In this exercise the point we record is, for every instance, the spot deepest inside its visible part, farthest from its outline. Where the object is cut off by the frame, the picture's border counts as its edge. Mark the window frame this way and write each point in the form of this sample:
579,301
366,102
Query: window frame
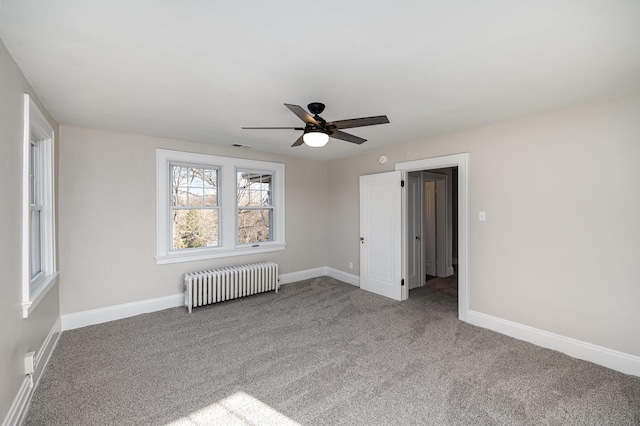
227,196
173,208
270,207
35,204
38,131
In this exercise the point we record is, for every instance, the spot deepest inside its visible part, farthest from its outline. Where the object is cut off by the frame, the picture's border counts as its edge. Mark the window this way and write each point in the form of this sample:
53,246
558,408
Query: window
39,272
194,207
210,207
35,207
255,206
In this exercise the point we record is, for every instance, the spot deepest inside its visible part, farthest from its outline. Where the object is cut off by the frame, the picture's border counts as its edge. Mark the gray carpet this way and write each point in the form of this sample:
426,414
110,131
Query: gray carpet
321,352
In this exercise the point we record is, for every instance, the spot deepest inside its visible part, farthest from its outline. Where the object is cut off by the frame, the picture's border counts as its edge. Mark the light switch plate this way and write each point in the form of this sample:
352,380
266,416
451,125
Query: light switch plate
482,216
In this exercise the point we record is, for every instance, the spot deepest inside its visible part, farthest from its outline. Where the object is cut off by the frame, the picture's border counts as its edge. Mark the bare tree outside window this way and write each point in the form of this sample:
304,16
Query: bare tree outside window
255,206
194,207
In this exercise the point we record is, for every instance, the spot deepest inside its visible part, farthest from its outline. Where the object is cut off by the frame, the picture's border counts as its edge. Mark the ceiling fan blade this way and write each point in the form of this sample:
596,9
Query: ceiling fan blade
358,122
262,128
337,134
298,141
302,114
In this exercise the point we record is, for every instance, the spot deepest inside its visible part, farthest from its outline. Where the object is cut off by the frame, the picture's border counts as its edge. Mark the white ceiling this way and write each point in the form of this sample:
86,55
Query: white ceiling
199,70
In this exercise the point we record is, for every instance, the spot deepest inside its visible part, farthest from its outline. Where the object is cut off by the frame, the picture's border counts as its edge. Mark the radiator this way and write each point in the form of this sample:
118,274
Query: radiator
218,285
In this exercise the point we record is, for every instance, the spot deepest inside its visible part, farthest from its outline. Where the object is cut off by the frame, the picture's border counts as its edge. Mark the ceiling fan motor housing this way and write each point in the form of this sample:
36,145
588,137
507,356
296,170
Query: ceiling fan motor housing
316,108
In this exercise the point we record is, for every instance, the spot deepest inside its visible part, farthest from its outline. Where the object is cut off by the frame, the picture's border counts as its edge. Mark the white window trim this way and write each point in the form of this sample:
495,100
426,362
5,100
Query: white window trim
228,207
34,292
238,208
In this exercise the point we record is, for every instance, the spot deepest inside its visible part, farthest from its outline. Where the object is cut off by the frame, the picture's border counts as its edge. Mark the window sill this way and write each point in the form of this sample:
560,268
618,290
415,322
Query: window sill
217,253
38,294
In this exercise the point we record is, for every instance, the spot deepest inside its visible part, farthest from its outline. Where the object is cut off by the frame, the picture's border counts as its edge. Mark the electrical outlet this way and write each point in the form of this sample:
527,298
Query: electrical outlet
30,363
350,265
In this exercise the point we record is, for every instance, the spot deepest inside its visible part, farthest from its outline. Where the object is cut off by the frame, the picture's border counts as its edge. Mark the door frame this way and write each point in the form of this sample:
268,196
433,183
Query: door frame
461,161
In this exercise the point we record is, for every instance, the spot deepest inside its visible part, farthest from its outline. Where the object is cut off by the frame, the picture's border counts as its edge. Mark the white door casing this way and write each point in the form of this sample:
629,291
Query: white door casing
380,234
462,162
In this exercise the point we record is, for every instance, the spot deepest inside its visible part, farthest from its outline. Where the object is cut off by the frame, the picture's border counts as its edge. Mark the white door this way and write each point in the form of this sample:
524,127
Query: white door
415,277
380,239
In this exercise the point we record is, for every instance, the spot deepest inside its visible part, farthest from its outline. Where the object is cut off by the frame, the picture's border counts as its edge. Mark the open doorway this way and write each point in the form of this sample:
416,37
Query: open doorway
437,216
431,224
432,232
434,251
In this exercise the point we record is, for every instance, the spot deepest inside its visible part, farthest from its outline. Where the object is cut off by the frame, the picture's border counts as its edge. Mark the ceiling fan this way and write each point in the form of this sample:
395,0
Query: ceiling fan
317,130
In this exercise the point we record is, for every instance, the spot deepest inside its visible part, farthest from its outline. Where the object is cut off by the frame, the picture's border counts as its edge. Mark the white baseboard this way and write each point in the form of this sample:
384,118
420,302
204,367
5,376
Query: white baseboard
343,276
619,361
46,350
112,313
18,409
20,405
293,277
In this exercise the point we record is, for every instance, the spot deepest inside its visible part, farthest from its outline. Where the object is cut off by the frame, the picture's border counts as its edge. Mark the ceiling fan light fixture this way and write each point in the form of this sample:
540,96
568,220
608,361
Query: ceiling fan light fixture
315,139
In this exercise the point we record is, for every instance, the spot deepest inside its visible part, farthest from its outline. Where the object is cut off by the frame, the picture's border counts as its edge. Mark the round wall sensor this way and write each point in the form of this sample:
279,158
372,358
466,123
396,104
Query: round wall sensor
383,159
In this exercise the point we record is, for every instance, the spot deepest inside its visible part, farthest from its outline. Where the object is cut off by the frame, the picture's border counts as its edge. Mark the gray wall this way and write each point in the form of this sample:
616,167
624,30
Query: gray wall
17,335
108,218
560,247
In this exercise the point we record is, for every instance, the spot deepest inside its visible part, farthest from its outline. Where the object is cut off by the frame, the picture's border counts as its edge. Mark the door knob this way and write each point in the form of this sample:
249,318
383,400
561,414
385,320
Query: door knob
417,237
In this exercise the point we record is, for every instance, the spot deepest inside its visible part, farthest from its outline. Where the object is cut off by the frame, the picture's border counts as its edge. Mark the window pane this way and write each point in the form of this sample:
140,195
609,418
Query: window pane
194,228
34,177
210,177
179,197
254,189
255,225
196,197
195,178
36,243
178,176
211,196
194,186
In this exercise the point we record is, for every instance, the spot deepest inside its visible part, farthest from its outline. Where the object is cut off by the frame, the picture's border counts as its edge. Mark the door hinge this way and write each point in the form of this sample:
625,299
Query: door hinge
402,183
402,282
